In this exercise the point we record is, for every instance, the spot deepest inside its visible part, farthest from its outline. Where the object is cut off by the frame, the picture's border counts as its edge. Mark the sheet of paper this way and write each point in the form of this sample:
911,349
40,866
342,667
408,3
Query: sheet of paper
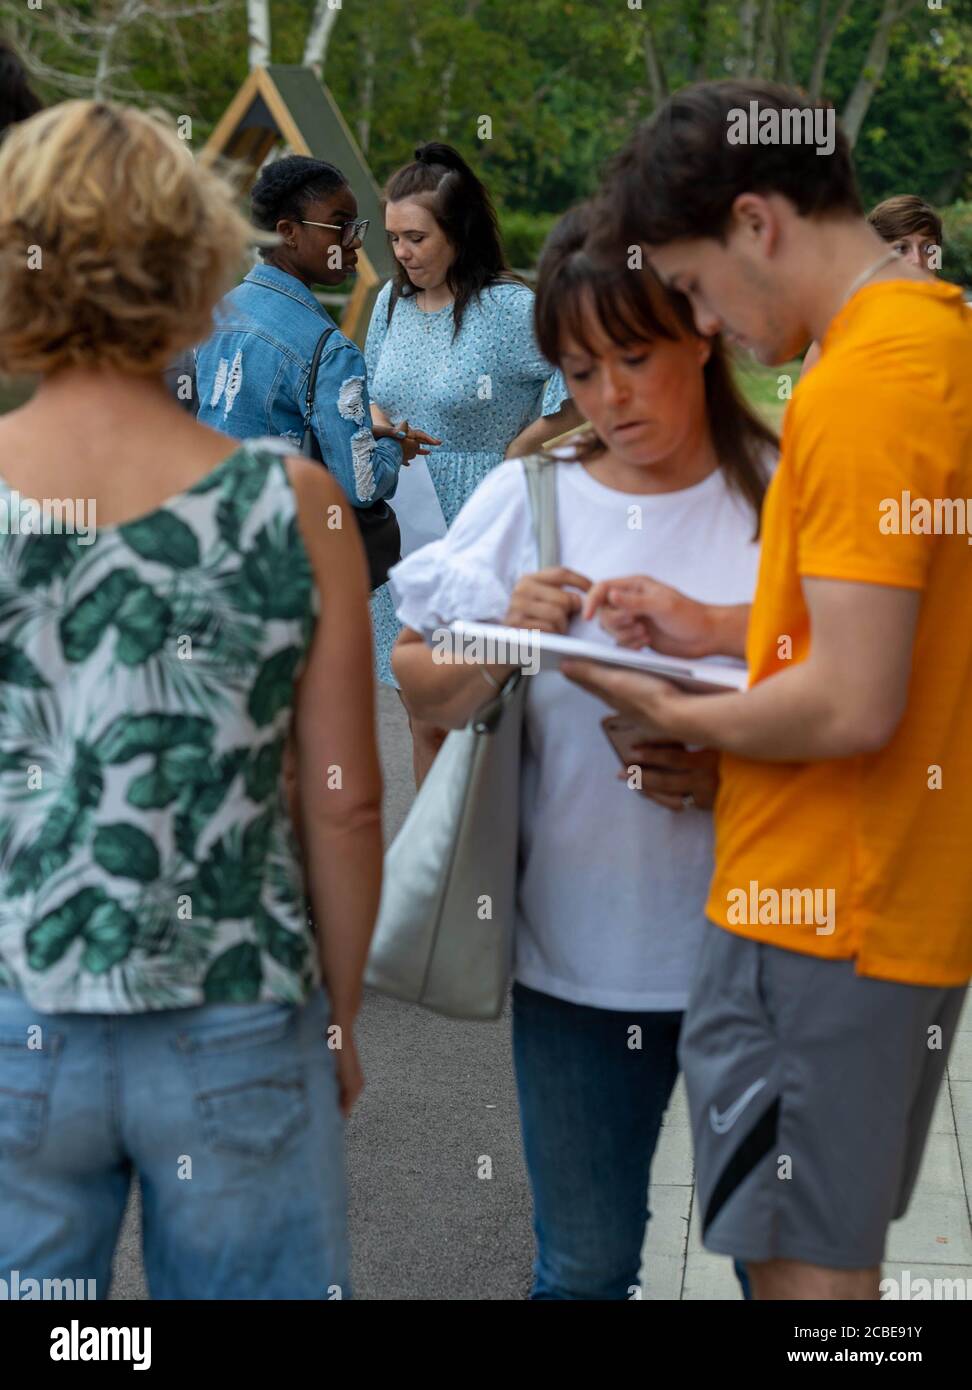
417,507
544,651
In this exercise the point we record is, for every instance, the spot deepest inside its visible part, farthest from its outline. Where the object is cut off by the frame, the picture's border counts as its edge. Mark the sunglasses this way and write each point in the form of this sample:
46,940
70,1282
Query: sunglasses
350,231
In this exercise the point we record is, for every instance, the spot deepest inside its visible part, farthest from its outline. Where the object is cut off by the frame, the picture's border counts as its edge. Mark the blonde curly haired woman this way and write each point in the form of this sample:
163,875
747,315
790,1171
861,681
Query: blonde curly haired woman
161,636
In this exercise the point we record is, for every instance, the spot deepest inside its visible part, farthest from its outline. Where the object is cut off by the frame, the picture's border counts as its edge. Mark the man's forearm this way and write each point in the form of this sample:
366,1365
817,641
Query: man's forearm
847,698
795,716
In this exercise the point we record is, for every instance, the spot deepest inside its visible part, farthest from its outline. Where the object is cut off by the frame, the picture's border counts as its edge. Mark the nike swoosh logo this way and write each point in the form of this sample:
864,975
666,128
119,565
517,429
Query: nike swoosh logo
724,1122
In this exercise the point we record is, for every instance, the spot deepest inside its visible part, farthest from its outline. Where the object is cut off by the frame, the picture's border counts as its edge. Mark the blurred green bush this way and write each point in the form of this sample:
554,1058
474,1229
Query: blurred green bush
523,236
957,251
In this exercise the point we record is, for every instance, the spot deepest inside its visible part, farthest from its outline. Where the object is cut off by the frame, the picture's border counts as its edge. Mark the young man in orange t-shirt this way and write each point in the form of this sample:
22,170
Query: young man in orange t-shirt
833,974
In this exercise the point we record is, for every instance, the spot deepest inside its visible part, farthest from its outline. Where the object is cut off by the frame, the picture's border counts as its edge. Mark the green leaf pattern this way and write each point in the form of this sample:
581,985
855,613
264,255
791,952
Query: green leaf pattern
151,863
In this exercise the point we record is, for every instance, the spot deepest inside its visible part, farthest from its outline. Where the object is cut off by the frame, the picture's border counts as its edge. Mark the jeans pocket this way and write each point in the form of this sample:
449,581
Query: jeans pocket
27,1060
248,1077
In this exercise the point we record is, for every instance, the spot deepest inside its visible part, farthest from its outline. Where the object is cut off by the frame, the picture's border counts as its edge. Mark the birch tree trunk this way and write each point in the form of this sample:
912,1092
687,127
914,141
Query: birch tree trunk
657,80
449,76
319,35
748,13
111,32
414,41
826,29
258,32
872,71
367,94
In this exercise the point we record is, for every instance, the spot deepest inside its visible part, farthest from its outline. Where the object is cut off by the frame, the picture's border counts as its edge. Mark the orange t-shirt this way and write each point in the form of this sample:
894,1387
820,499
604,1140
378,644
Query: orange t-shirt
868,857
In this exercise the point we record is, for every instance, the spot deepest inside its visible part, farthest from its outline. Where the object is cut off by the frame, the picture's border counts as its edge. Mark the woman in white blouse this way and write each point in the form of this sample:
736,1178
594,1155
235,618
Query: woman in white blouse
612,881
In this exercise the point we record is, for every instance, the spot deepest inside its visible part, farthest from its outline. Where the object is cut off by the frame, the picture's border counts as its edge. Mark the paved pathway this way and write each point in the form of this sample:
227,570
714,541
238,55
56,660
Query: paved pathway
440,1095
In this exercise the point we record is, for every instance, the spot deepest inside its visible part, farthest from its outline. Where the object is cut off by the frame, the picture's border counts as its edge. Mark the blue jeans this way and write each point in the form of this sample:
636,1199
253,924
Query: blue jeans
228,1113
591,1107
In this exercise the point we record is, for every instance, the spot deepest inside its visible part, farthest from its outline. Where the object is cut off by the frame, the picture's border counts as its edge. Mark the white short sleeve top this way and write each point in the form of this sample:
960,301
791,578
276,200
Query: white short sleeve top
612,886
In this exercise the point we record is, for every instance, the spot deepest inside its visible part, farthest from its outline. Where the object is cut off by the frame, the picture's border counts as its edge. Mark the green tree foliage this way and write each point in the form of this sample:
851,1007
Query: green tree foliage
957,261
561,82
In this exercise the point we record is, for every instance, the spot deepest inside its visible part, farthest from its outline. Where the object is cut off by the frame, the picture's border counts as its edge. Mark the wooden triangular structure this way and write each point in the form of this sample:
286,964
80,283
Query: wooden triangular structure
288,103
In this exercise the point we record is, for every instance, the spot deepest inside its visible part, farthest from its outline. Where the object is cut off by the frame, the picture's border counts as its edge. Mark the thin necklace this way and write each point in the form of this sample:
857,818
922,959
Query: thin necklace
428,314
865,275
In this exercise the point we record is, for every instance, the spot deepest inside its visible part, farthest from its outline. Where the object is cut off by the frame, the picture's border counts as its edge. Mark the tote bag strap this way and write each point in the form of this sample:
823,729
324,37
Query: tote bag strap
542,491
542,488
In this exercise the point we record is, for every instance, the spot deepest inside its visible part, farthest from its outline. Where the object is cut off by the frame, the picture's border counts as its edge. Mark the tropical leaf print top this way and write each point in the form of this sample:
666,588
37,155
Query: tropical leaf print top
146,688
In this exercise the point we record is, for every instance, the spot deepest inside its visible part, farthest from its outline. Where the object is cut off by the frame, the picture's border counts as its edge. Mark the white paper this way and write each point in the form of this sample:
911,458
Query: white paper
417,507
546,650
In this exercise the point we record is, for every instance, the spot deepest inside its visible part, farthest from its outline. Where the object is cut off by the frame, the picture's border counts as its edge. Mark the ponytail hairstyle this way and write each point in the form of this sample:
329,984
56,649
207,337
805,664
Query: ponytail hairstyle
578,269
287,187
441,180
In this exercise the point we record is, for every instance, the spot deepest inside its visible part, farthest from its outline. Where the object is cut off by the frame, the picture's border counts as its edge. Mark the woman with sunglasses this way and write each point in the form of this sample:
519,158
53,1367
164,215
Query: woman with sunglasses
252,373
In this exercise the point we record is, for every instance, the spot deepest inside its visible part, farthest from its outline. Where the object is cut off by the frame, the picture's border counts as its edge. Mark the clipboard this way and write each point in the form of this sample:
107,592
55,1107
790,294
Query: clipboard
544,651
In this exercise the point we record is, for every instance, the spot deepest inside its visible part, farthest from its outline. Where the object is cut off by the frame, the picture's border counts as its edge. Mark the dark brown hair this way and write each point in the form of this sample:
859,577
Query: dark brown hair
577,268
17,100
442,181
900,216
679,175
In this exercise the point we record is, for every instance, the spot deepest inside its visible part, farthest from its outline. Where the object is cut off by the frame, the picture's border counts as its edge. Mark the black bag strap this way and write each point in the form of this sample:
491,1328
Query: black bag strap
312,378
315,360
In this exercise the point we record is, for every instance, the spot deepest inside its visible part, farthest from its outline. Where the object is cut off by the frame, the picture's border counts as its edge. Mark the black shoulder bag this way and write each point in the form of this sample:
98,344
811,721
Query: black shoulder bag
378,523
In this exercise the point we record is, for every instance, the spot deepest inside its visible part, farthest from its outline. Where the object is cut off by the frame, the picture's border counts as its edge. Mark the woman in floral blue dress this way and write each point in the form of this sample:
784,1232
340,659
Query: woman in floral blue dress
451,349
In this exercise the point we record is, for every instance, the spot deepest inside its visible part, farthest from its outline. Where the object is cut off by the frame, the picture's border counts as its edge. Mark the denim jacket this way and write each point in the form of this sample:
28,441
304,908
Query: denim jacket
252,379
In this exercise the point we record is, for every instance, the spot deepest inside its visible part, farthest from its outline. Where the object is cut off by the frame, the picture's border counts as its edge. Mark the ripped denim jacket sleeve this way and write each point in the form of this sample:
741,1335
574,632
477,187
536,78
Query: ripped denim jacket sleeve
366,468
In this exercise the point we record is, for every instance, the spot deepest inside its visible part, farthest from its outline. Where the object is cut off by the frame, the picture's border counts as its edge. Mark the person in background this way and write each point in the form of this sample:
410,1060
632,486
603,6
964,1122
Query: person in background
17,100
612,880
451,346
163,998
913,229
251,374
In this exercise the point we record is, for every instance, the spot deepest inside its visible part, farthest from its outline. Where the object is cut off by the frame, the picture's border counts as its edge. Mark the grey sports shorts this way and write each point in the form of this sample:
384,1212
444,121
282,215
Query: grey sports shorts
811,1091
